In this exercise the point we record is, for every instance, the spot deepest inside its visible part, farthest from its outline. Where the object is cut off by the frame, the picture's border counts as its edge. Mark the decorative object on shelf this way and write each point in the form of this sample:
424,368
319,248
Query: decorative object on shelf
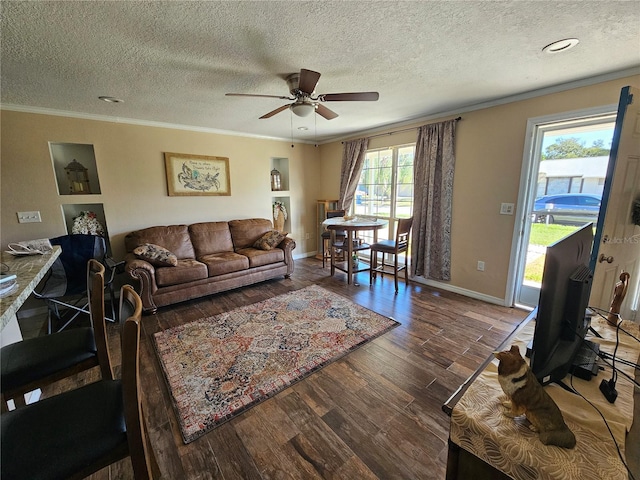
279,215
197,175
78,178
87,223
276,180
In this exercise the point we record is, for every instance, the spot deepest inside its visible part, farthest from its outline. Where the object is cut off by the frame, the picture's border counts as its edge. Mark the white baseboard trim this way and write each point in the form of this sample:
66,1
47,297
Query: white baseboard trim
461,291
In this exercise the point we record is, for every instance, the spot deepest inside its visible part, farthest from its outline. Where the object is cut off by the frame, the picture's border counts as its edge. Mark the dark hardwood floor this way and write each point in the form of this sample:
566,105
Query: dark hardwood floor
375,413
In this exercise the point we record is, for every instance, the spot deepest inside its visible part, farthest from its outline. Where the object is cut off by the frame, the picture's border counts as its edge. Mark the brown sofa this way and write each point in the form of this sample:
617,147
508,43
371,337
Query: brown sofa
211,257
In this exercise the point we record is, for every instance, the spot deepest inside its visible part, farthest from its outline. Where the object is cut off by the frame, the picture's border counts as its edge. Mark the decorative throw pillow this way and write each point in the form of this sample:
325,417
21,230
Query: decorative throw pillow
156,255
269,240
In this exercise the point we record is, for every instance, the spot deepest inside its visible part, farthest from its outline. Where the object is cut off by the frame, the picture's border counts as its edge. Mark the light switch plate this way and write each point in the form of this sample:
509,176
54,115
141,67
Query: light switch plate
29,217
506,208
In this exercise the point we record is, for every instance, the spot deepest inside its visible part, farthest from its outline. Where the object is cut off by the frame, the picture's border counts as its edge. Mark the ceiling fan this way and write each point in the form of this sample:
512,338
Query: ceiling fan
302,88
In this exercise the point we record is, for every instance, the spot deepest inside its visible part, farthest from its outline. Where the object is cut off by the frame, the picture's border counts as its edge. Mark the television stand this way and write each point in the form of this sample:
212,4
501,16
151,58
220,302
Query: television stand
484,444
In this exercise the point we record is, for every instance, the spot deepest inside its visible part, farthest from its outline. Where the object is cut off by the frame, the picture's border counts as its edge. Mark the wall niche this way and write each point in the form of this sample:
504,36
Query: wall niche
86,218
74,165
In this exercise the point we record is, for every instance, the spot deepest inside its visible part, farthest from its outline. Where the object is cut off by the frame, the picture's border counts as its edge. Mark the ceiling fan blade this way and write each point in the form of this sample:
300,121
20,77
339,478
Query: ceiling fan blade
349,97
308,81
257,95
325,112
273,112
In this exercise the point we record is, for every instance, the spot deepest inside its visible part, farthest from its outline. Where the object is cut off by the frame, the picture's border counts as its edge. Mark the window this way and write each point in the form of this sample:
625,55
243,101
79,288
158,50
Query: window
385,189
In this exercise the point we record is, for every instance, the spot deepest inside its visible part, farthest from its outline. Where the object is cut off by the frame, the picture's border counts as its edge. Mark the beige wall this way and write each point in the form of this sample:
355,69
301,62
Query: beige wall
489,153
130,164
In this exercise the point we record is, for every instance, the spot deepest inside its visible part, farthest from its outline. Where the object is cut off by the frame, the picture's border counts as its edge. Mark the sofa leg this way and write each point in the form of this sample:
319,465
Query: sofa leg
287,276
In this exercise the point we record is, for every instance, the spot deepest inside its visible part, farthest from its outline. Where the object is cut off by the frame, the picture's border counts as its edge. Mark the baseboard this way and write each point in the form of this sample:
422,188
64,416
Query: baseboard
461,291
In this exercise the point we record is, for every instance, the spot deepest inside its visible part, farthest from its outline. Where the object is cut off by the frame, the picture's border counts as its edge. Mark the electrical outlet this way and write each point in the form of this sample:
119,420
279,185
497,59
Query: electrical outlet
481,265
307,236
506,208
29,217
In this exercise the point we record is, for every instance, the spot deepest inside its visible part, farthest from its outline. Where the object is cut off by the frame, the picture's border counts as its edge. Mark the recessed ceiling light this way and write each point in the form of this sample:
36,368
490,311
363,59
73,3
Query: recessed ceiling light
561,45
110,99
303,128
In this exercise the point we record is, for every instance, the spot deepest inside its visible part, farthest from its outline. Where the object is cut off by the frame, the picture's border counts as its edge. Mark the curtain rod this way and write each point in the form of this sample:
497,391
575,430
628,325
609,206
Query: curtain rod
405,130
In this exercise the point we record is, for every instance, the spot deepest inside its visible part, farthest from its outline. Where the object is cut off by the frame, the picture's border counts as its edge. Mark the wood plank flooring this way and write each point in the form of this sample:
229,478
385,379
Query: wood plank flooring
376,413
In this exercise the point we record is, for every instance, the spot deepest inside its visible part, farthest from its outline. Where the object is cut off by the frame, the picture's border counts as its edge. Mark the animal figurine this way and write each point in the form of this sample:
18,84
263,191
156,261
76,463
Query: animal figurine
528,397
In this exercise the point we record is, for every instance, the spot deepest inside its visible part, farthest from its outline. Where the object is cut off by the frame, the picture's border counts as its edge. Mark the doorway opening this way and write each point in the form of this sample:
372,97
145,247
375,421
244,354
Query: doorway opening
561,188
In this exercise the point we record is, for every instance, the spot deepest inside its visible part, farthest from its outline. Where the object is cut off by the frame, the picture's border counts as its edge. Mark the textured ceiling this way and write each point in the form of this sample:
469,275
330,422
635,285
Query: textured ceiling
173,62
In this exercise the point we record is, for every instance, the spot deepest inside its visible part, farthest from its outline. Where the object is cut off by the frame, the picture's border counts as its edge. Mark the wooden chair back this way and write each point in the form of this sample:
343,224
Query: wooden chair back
402,234
143,459
95,292
335,213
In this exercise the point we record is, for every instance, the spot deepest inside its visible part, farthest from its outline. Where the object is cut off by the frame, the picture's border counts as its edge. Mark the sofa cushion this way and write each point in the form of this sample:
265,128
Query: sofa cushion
224,262
174,238
187,270
210,237
258,257
269,240
245,232
156,255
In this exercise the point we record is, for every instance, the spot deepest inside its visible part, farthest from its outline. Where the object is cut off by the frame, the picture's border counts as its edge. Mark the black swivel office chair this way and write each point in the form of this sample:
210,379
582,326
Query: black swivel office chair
65,286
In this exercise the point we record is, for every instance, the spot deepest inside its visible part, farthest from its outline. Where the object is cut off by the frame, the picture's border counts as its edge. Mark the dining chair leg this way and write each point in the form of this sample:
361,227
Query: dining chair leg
406,269
395,271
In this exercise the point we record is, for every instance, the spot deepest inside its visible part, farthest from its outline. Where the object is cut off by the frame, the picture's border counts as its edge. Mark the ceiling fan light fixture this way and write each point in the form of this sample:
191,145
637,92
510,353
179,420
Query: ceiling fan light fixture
303,109
561,45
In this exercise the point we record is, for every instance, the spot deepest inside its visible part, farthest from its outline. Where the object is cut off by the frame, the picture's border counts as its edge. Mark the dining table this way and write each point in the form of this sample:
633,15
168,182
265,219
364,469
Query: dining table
350,226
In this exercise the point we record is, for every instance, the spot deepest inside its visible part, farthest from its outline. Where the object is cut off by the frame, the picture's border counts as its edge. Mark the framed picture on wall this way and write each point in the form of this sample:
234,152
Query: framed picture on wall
197,174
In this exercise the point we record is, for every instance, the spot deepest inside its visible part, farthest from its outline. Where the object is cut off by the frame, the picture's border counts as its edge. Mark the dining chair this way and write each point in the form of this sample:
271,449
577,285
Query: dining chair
37,362
81,431
340,235
395,248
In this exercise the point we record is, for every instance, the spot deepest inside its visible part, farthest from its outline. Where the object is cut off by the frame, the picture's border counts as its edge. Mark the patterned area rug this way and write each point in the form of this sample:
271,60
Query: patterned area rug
220,366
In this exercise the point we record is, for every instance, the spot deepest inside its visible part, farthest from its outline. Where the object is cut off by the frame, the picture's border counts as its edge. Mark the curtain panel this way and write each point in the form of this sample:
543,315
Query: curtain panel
353,155
434,164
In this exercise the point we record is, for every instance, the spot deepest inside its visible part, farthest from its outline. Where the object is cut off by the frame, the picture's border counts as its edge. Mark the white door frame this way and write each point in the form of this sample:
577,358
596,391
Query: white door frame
526,194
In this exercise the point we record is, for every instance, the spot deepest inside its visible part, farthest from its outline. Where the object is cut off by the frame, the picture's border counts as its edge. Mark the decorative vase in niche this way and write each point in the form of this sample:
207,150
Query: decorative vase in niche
278,221
279,215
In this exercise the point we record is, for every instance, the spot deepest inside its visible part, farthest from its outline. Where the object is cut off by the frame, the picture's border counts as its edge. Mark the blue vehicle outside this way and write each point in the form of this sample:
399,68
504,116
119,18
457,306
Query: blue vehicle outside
567,208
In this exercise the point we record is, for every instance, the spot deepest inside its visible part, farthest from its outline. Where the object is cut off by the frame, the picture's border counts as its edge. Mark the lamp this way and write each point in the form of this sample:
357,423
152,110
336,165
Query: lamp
303,109
276,183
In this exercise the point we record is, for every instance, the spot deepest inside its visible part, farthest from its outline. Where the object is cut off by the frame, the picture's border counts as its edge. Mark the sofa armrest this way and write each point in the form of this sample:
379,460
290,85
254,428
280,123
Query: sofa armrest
145,273
288,244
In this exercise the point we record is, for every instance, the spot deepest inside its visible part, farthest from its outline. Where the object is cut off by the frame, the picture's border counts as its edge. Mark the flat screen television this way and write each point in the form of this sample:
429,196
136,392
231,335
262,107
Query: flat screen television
561,322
